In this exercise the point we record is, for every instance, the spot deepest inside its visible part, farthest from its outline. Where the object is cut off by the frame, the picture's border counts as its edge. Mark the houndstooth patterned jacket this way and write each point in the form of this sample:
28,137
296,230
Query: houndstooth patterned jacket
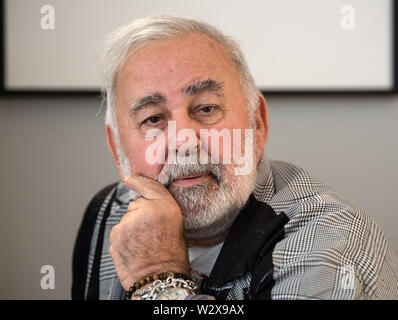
296,238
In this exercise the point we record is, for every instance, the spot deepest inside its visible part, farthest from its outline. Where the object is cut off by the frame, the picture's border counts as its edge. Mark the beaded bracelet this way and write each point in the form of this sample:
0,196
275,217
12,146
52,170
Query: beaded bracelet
158,287
152,278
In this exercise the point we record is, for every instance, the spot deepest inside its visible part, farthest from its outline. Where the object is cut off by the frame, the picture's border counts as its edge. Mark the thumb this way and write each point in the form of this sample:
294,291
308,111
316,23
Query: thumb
146,187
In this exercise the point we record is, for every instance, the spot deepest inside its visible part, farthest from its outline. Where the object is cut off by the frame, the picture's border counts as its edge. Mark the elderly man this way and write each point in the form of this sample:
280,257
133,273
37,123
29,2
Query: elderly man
193,219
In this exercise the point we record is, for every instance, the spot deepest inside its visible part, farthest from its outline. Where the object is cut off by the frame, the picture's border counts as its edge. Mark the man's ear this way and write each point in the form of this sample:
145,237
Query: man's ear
262,127
110,141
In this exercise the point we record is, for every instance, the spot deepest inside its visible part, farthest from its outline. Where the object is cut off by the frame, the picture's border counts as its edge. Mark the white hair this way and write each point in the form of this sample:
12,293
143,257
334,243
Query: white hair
123,42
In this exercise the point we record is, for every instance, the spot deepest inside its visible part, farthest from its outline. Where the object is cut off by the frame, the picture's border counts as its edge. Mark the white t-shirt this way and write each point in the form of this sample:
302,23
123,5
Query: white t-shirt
202,260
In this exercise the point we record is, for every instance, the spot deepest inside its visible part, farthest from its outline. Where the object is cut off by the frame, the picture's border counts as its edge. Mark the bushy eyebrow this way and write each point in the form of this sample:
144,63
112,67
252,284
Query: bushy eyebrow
152,99
201,86
156,98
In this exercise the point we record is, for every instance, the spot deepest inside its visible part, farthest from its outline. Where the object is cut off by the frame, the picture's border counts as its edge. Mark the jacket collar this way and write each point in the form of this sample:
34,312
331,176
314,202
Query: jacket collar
264,186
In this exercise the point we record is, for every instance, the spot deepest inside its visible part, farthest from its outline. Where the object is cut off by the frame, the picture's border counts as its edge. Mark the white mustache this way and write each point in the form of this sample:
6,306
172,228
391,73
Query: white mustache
189,165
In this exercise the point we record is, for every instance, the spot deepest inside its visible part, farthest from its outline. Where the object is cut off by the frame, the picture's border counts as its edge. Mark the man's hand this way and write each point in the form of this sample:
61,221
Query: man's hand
149,238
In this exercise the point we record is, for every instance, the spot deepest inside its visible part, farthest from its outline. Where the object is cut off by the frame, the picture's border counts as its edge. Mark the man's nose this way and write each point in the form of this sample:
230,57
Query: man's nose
185,136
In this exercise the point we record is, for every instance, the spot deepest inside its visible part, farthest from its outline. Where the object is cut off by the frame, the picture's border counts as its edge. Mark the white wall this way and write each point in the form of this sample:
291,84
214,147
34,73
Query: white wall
54,158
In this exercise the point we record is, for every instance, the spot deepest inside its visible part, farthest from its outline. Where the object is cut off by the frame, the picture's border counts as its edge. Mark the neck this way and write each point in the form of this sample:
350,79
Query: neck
206,241
209,236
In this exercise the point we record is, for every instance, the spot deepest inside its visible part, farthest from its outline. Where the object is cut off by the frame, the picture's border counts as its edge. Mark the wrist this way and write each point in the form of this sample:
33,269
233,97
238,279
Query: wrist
166,286
160,268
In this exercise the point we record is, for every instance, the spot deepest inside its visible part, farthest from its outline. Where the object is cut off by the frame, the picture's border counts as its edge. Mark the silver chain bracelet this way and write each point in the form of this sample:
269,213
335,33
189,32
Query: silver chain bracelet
159,286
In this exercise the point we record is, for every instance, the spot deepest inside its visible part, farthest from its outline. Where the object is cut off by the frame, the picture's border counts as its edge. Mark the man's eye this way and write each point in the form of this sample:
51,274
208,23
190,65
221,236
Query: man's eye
153,120
208,114
206,109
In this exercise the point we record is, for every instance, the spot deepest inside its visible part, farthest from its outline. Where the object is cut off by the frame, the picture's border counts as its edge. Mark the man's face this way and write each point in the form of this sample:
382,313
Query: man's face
190,80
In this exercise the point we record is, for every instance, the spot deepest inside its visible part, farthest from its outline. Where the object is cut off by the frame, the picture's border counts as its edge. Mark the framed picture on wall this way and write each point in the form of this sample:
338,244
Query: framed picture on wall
306,46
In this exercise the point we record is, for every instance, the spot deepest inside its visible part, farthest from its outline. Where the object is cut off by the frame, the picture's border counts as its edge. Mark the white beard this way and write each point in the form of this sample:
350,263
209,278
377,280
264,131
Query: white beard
208,208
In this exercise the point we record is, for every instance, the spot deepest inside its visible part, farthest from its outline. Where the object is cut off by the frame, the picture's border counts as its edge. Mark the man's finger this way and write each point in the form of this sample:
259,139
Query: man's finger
148,188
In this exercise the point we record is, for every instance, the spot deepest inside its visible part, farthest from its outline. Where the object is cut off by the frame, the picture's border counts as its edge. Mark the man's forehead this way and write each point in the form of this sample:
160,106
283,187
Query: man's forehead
191,49
177,70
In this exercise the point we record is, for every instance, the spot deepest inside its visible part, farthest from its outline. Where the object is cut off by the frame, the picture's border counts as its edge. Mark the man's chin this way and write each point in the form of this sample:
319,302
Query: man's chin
207,215
209,233
210,207
194,198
